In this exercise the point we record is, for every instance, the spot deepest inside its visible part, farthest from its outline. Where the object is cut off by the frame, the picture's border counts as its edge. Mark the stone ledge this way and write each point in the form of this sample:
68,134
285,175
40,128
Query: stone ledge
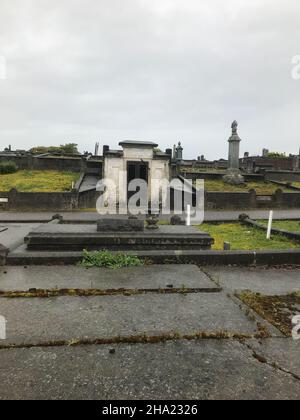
202,258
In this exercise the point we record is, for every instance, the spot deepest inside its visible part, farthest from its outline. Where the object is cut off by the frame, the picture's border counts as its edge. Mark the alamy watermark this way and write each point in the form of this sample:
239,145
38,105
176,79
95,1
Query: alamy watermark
160,196
296,67
3,68
2,328
296,329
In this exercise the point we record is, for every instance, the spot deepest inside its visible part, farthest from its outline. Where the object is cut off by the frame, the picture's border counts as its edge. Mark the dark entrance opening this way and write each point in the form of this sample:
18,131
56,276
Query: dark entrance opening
136,170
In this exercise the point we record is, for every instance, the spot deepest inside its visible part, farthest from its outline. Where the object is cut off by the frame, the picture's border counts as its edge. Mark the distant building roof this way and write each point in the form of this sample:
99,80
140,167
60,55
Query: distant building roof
135,143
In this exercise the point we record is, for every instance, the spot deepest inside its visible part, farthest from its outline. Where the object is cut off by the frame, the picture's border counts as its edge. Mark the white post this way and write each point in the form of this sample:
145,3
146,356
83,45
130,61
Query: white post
188,216
270,225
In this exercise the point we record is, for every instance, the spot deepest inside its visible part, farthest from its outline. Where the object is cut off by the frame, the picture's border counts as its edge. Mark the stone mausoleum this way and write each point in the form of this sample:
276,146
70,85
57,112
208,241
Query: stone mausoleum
137,160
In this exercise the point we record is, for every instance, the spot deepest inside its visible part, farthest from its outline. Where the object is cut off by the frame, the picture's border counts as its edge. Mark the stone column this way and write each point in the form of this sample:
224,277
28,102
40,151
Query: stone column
179,152
233,175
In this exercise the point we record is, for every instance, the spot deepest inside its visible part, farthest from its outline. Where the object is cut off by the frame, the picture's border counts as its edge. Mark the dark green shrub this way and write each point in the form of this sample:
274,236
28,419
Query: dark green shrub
8,168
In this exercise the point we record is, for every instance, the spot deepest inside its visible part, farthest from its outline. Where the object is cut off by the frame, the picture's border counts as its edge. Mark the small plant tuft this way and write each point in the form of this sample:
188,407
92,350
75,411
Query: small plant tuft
106,259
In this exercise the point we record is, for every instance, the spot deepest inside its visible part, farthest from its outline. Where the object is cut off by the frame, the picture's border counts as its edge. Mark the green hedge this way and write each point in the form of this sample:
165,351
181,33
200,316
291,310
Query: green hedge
8,168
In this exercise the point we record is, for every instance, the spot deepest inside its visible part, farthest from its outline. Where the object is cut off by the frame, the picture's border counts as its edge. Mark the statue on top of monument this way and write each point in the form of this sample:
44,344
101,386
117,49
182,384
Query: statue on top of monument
234,127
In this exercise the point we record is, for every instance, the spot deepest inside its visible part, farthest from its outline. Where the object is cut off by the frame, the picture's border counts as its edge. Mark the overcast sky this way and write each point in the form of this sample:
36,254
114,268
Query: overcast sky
165,70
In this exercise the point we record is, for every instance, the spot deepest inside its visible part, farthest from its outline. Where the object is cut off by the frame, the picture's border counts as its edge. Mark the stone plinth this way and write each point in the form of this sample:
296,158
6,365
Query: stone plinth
234,178
70,237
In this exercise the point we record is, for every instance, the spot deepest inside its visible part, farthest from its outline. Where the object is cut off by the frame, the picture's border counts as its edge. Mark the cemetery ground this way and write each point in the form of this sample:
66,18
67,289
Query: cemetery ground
247,238
38,181
260,187
167,331
58,181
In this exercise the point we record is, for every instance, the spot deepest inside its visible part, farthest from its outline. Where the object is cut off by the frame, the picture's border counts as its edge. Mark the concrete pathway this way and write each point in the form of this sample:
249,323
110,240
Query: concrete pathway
207,369
39,217
259,280
57,358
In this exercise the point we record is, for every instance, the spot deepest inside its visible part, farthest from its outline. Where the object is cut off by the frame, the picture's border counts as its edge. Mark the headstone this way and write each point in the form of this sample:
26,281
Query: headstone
120,225
233,175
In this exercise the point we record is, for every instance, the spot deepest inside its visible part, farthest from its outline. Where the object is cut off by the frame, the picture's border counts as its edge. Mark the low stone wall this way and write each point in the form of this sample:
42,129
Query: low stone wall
229,201
201,258
292,176
41,201
288,200
19,201
76,164
88,199
57,163
250,200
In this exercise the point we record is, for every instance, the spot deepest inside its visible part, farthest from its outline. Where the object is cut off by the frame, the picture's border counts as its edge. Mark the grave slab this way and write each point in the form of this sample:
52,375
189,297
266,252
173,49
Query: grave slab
206,369
36,320
145,277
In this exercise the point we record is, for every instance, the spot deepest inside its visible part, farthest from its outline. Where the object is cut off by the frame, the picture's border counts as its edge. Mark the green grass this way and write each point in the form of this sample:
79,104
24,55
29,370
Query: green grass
289,225
260,187
38,181
245,238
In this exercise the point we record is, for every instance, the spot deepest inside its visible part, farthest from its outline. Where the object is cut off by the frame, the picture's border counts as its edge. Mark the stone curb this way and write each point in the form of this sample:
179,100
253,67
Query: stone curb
201,258
295,236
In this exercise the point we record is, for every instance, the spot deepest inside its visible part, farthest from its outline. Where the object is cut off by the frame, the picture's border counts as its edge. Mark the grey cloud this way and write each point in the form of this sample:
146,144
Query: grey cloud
162,70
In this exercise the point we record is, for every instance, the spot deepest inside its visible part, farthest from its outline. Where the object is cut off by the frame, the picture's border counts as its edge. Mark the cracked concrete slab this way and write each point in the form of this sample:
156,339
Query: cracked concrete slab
156,276
283,351
66,318
265,281
205,369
